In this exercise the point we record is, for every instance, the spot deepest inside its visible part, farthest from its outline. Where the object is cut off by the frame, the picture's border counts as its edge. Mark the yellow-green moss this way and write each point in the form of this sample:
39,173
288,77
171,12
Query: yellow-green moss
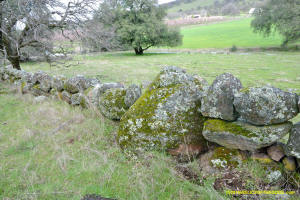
217,125
231,156
145,108
245,90
112,103
87,91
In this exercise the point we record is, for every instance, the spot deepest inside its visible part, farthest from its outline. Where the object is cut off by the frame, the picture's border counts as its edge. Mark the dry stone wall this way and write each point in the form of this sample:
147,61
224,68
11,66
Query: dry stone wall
181,113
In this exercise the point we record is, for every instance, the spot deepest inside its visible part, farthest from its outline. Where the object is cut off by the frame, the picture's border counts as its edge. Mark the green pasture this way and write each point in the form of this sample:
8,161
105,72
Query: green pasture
225,35
279,69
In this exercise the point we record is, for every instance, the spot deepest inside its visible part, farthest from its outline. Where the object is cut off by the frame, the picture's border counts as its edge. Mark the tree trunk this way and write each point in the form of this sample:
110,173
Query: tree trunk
15,61
139,51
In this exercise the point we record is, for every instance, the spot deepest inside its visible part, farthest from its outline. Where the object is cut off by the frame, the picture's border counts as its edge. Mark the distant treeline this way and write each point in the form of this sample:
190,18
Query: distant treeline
216,7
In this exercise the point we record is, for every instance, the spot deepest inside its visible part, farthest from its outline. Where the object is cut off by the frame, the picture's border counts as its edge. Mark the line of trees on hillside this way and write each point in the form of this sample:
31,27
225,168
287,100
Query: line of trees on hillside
217,7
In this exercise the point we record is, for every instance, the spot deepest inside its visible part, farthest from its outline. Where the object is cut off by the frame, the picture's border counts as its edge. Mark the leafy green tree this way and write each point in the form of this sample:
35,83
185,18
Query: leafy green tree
138,24
279,15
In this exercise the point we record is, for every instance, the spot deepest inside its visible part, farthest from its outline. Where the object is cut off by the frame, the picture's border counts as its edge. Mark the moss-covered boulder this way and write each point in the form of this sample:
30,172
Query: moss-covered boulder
58,82
112,103
43,80
243,136
265,105
166,115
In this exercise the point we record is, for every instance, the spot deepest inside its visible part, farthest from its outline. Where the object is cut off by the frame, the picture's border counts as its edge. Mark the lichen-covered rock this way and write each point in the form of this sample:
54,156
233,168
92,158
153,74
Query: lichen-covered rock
265,105
27,77
76,84
166,115
93,95
133,92
43,80
243,136
112,103
289,163
218,99
92,82
293,145
79,99
107,86
58,82
65,96
276,152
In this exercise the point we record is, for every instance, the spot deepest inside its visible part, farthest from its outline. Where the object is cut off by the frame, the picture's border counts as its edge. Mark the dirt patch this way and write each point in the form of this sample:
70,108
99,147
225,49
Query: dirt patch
189,175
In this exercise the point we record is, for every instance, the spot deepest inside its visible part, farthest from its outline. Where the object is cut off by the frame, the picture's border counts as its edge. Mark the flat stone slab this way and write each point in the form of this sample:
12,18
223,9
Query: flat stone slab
243,136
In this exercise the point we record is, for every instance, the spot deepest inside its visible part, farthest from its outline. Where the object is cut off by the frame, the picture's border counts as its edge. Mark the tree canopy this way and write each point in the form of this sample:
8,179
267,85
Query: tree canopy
282,16
29,23
138,24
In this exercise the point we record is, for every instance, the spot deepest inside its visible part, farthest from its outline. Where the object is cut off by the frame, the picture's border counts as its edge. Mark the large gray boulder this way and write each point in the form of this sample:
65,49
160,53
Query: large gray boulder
27,77
166,115
79,99
76,84
43,80
133,92
293,145
58,83
218,99
265,105
243,136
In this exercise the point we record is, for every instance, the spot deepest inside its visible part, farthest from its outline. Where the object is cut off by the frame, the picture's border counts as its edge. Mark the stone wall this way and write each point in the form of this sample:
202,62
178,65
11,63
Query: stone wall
181,113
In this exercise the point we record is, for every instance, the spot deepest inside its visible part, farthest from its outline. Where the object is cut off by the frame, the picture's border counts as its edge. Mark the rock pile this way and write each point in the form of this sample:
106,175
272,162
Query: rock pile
112,99
182,114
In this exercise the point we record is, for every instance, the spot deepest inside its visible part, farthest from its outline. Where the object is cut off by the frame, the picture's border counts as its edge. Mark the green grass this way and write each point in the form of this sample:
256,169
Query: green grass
225,35
280,69
41,161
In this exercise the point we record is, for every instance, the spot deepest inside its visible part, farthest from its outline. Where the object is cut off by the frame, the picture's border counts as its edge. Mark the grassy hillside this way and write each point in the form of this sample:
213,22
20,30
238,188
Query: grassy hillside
190,5
226,34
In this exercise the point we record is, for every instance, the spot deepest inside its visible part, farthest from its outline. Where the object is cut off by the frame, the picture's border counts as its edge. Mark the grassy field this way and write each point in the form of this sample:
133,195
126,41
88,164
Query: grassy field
280,69
225,35
53,151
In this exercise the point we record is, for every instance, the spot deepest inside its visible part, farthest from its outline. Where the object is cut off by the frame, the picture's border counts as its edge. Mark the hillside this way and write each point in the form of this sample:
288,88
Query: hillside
181,8
225,35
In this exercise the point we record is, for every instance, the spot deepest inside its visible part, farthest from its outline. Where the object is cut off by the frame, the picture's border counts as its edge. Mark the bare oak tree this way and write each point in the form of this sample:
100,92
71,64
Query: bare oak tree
30,23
